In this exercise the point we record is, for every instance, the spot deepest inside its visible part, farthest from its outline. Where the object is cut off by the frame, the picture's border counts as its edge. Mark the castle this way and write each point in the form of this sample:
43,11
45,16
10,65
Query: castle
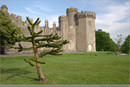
78,28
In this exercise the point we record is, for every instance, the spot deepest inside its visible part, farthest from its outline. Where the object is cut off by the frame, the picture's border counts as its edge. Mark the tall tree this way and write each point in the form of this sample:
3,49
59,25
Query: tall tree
104,42
126,45
39,41
8,31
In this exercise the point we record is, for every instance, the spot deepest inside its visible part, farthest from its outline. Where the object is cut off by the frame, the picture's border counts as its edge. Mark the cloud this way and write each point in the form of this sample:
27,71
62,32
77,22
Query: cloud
43,8
31,11
116,20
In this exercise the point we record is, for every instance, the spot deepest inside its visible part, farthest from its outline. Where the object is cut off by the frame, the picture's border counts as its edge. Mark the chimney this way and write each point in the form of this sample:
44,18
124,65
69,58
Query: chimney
27,21
32,20
46,23
82,11
54,26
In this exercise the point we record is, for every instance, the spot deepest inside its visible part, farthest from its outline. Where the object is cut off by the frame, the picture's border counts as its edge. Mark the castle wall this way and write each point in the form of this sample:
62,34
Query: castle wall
18,21
90,36
78,28
90,32
71,12
72,39
81,35
85,35
63,24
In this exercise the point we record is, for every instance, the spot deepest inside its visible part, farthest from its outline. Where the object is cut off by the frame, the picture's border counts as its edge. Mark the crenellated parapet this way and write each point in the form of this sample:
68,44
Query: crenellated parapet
12,15
71,10
86,14
90,14
15,17
19,18
63,18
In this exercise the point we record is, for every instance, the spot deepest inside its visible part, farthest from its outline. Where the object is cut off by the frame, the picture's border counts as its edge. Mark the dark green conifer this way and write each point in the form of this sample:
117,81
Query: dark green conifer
9,32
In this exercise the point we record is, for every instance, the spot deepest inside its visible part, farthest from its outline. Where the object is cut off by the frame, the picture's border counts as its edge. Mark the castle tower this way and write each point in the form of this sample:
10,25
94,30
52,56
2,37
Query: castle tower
71,16
4,8
63,25
85,33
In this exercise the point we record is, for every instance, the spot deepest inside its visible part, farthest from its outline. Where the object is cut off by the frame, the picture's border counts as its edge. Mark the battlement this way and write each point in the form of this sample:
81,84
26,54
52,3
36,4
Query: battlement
19,17
4,6
63,18
71,10
86,14
12,15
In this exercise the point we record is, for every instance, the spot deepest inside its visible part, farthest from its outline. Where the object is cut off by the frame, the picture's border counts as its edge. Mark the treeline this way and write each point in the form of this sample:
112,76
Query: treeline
105,43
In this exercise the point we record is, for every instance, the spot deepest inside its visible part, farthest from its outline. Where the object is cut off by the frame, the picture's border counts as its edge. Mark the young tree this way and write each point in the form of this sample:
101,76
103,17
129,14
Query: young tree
8,31
51,41
119,42
125,48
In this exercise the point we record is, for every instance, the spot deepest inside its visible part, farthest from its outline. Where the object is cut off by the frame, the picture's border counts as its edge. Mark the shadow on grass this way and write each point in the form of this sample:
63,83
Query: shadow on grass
15,72
34,79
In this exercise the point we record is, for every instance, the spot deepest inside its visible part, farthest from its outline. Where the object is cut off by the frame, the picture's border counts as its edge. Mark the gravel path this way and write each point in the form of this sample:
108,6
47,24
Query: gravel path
14,55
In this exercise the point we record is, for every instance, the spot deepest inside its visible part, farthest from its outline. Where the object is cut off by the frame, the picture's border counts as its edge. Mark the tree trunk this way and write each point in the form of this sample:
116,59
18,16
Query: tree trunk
2,49
39,71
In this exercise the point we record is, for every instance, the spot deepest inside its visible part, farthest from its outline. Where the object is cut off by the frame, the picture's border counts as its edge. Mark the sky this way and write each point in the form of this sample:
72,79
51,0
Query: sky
112,16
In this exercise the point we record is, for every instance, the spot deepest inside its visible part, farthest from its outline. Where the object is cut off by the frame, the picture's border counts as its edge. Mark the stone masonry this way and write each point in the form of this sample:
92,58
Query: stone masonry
77,27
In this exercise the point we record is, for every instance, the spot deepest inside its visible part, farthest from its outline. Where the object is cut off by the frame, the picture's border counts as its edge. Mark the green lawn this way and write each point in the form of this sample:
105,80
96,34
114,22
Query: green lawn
68,69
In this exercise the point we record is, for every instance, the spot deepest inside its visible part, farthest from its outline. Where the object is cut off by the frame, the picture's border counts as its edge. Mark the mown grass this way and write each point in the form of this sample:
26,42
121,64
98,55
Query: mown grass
68,69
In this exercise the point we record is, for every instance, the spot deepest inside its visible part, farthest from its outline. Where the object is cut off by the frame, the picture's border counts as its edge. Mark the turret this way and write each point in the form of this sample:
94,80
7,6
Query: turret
63,25
71,15
4,8
86,14
86,30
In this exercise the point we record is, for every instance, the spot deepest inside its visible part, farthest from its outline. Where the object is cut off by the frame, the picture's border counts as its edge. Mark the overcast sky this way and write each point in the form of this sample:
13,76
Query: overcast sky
112,16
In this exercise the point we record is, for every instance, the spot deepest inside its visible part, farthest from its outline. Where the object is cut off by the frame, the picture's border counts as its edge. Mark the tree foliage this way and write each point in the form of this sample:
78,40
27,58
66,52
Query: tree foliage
104,42
39,41
8,31
126,45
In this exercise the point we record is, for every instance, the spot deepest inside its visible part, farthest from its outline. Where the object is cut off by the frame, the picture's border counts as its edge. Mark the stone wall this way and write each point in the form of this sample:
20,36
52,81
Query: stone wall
78,28
85,35
18,21
81,35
